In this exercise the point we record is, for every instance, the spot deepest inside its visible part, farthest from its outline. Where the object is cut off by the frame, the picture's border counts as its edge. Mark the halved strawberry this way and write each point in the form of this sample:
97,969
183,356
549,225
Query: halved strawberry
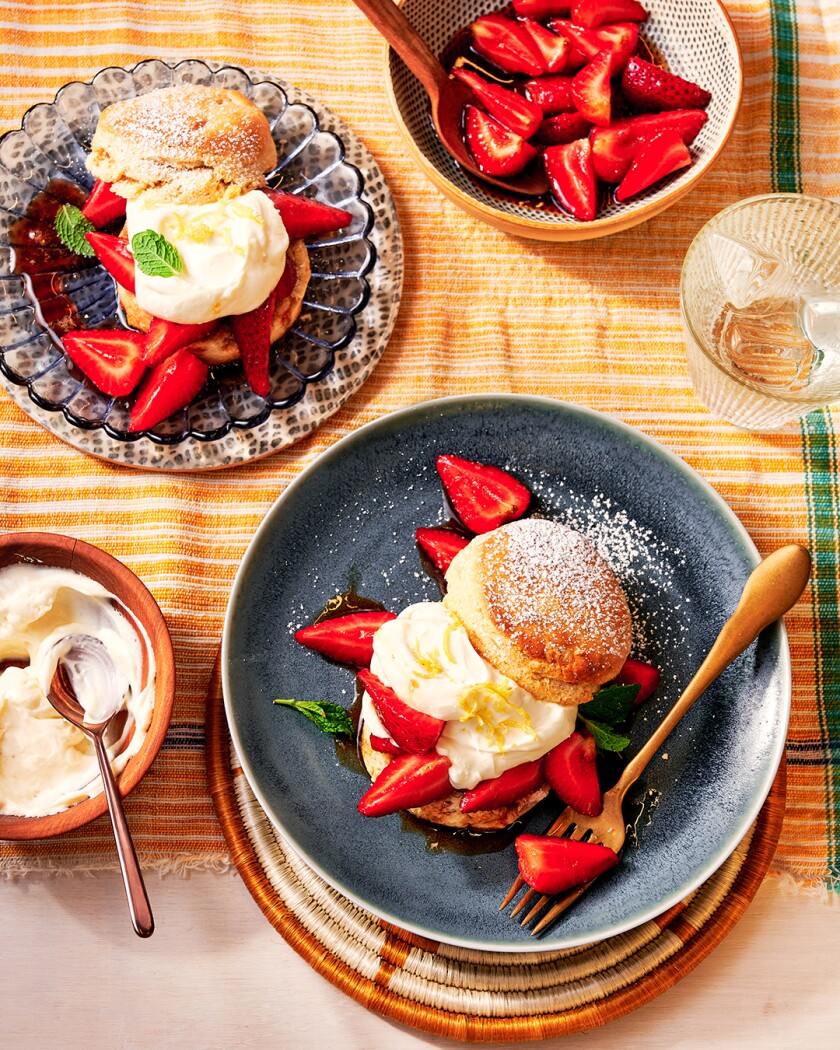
649,87
165,337
637,672
252,332
411,730
441,545
496,150
169,386
504,789
110,358
385,745
103,205
553,48
594,13
551,865
660,156
346,639
115,255
407,781
483,496
592,91
572,178
551,94
541,8
619,39
286,284
562,128
304,216
515,112
507,45
613,148
571,771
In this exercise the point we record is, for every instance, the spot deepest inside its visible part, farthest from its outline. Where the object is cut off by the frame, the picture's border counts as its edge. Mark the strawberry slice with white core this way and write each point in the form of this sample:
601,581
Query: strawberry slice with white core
252,332
507,45
484,497
594,13
165,337
552,94
614,148
642,674
570,770
495,149
562,128
508,787
345,639
169,387
411,730
592,91
441,546
406,782
519,114
619,39
552,865
305,216
541,8
572,178
663,154
553,48
649,87
385,745
112,359
103,205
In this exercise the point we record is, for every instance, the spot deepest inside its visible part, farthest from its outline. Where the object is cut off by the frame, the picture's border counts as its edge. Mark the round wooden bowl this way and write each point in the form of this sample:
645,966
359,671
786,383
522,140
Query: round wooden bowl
64,552
696,40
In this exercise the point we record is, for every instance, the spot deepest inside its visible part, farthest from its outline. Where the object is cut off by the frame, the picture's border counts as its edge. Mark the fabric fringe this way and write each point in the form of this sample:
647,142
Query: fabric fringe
181,867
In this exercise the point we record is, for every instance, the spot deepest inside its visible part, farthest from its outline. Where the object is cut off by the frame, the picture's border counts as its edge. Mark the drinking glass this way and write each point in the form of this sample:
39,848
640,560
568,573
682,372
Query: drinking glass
760,299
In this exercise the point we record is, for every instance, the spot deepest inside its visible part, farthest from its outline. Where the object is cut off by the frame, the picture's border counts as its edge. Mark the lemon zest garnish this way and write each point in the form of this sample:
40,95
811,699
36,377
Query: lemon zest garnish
199,231
484,700
447,639
244,212
429,662
172,227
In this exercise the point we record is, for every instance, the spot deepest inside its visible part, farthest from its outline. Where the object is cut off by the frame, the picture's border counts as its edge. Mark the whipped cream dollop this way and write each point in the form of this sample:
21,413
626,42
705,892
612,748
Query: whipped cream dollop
46,764
492,724
233,254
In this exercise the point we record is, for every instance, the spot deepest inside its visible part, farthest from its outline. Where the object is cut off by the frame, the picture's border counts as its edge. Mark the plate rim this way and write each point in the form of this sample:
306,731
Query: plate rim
543,944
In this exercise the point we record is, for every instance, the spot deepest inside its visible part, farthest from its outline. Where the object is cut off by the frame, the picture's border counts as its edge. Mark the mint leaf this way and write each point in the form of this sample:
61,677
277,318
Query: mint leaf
331,718
612,706
71,226
154,255
605,738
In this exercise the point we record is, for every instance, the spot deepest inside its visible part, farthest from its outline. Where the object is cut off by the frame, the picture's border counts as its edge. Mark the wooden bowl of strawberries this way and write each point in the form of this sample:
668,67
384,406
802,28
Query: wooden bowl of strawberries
625,104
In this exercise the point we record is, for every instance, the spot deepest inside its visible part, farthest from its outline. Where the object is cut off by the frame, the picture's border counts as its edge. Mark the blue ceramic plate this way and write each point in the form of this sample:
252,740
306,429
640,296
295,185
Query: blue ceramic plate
682,557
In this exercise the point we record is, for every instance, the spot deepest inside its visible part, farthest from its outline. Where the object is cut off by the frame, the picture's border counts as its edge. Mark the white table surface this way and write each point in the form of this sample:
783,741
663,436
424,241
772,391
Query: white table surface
215,974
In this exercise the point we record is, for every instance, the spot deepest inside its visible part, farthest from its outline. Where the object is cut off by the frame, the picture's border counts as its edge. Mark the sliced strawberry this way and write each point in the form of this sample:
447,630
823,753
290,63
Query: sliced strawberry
663,154
572,178
286,284
551,865
562,128
637,672
252,332
551,94
619,39
441,545
346,639
517,113
103,205
507,45
483,496
553,48
115,255
504,789
385,746
495,150
613,148
594,13
110,358
411,730
169,386
592,91
649,87
165,337
303,216
541,8
571,771
407,781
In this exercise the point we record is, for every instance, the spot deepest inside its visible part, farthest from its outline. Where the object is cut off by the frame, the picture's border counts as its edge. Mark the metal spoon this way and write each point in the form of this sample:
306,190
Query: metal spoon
447,96
86,650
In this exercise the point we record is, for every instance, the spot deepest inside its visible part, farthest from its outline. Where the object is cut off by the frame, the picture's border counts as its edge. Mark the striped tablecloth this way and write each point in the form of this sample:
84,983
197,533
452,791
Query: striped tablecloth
596,324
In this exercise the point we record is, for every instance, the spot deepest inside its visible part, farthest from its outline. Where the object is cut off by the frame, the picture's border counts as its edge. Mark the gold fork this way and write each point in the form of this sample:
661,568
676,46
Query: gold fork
771,590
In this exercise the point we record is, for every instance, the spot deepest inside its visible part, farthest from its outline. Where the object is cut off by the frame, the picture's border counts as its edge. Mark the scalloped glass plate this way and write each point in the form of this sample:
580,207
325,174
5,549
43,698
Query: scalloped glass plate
349,309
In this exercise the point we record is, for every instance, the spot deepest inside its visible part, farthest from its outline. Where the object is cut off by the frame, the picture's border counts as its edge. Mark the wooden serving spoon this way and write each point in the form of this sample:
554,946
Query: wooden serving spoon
447,96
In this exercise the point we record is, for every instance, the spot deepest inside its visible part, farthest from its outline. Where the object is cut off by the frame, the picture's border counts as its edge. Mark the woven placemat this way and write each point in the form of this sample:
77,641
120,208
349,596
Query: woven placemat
455,992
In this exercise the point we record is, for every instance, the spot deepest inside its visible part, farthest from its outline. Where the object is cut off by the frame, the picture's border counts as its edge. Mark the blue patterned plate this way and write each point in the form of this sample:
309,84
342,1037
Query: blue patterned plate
682,558
348,312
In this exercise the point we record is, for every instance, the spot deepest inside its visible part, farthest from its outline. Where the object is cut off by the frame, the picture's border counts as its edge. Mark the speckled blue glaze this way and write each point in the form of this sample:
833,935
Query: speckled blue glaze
682,557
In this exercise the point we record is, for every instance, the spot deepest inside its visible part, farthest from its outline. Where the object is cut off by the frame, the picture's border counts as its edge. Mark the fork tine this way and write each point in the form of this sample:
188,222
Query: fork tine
562,904
518,883
560,826
525,898
541,903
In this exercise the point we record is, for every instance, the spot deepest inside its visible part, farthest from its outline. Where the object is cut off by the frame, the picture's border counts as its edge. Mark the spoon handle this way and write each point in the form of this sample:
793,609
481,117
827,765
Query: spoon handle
135,889
406,41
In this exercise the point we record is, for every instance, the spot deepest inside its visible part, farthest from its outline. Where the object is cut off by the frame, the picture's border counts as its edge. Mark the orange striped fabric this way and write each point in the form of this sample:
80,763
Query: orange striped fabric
594,323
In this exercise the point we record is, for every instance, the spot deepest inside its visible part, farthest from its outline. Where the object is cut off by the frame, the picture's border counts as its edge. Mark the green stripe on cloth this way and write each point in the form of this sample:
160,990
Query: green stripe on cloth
784,126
